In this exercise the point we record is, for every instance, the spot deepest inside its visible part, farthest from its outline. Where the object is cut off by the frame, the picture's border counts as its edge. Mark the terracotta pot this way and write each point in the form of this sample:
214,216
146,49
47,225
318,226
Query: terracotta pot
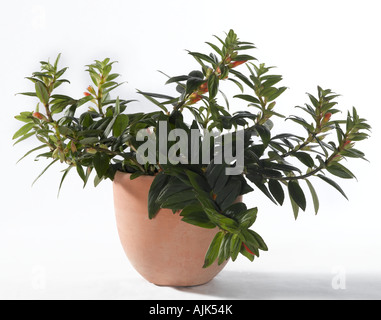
164,250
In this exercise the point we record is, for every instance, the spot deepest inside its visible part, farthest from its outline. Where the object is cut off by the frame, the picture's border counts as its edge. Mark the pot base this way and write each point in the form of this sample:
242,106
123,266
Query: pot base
165,250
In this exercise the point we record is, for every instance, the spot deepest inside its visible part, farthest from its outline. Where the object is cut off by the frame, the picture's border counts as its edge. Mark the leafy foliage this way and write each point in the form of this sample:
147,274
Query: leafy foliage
103,139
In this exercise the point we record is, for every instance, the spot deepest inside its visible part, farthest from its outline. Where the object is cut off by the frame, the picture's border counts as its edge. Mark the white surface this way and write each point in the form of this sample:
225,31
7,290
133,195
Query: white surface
68,247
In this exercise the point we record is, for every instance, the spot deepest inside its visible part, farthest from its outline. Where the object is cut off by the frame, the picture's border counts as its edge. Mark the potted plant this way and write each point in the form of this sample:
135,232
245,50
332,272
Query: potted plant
179,173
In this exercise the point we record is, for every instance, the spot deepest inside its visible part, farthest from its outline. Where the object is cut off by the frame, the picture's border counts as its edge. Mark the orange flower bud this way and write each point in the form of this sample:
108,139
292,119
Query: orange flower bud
87,94
203,88
236,63
39,115
194,97
218,70
327,117
91,89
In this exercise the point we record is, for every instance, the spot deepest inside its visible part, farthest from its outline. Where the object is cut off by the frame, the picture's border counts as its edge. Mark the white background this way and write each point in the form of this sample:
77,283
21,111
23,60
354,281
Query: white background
68,247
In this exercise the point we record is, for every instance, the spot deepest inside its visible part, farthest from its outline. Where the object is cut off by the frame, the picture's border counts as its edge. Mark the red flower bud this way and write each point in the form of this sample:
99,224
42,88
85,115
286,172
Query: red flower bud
346,142
247,249
236,63
87,94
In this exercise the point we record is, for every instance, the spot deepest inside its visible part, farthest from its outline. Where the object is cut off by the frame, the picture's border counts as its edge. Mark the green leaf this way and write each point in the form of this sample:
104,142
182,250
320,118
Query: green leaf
305,158
202,57
222,221
258,238
101,163
30,94
42,93
149,97
295,208
62,179
177,79
30,151
236,210
256,179
315,198
81,173
248,98
214,249
213,83
43,171
215,48
179,200
264,133
243,78
340,171
23,130
157,185
247,254
194,214
89,140
235,246
250,240
248,218
224,252
120,124
333,184
276,190
297,194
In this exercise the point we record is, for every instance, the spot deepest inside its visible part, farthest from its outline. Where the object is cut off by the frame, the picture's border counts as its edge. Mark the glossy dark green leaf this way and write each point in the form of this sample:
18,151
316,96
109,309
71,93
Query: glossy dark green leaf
81,173
177,79
248,98
297,194
179,200
340,171
157,185
333,184
276,190
194,214
236,210
202,57
305,158
247,218
264,133
260,185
